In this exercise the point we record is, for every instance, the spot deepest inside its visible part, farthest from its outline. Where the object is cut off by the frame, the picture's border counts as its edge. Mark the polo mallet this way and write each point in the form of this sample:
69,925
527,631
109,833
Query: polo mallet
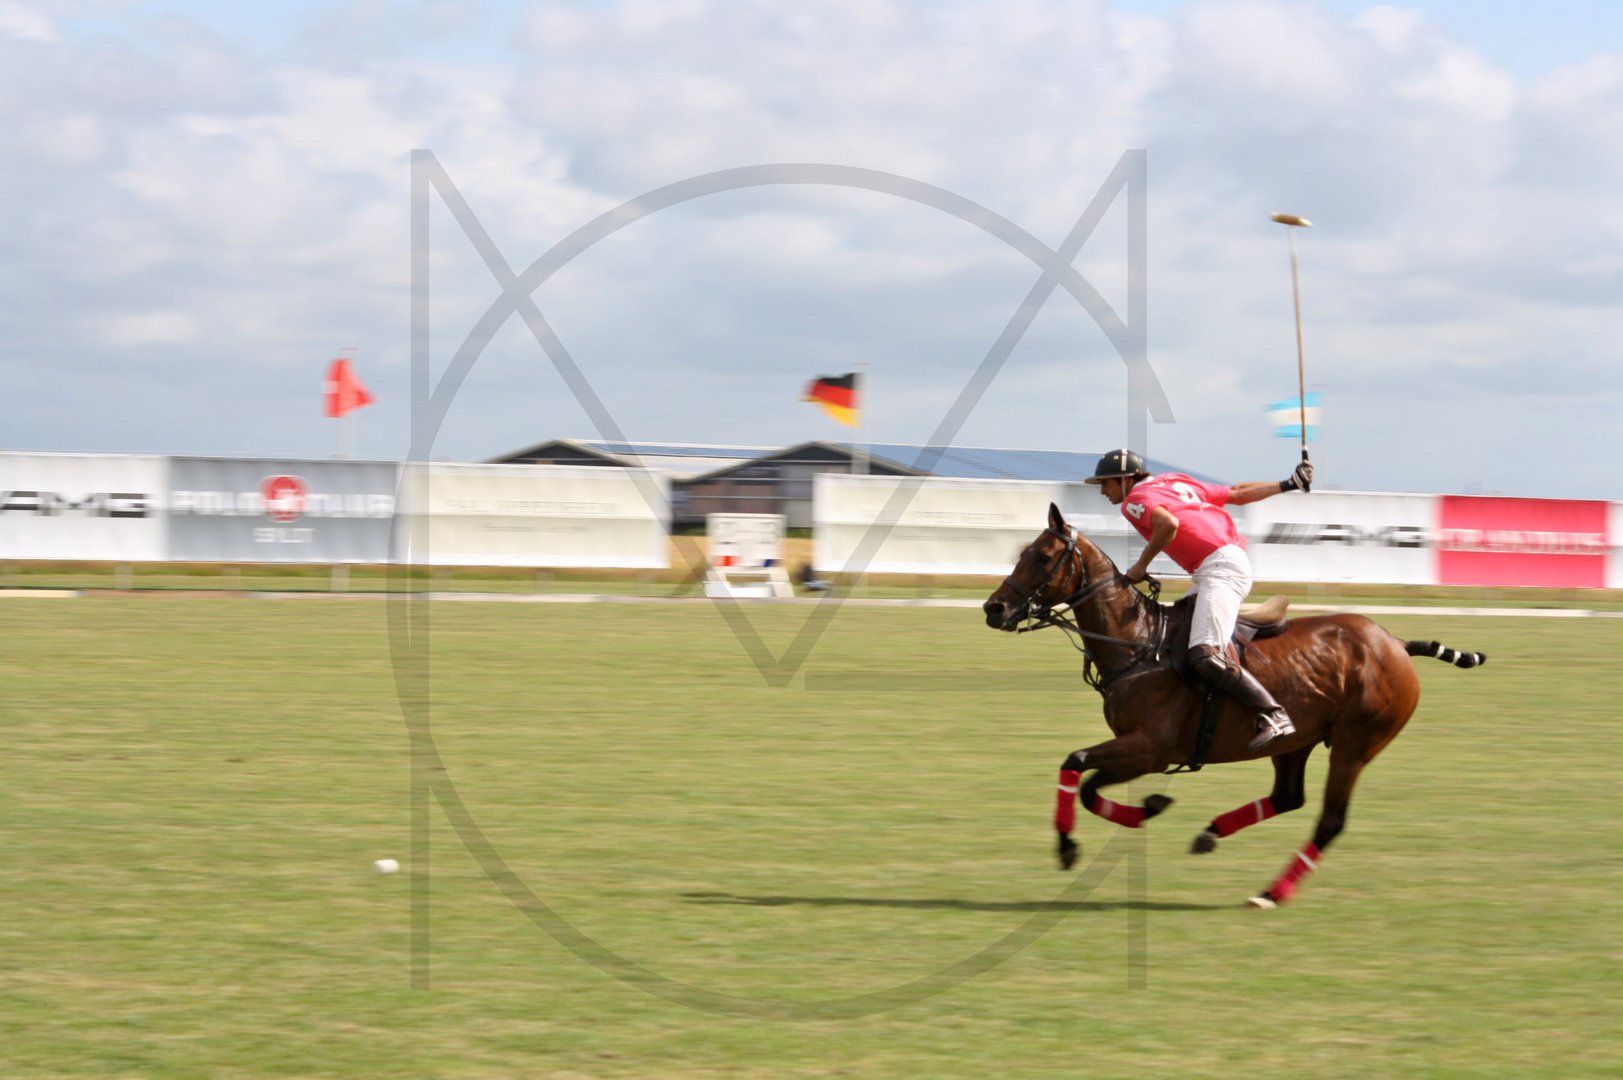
1294,222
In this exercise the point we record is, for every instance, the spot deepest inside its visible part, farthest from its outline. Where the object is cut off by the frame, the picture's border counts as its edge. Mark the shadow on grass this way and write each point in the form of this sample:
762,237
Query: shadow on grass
947,904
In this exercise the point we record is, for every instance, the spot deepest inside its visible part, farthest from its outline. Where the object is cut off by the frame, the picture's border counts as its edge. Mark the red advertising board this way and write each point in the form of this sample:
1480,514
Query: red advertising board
1555,543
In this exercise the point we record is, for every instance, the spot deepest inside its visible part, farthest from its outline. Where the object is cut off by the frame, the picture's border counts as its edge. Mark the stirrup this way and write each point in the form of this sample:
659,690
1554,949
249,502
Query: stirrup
1271,726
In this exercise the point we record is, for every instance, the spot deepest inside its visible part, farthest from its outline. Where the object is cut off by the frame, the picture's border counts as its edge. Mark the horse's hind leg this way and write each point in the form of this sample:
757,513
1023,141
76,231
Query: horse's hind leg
1288,795
1345,765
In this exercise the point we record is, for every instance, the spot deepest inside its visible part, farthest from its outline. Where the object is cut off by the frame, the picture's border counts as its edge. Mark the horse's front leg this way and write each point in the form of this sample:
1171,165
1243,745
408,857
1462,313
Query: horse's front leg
1115,762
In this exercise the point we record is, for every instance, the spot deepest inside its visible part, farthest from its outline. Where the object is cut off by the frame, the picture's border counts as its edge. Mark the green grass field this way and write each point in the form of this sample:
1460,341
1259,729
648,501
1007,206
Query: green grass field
678,869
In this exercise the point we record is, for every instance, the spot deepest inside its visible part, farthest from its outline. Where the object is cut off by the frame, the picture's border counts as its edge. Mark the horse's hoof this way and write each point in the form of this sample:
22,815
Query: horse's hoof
1069,851
1204,844
1154,804
1264,901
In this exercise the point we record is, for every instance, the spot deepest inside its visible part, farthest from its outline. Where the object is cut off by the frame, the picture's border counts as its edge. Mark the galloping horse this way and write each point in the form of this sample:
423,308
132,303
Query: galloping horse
1344,680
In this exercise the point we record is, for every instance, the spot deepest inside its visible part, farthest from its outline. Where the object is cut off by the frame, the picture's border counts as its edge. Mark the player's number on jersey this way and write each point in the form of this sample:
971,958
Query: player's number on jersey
1184,492
1187,493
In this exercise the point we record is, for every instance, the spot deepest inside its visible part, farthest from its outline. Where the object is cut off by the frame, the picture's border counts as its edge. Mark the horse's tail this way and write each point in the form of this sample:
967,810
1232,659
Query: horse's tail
1444,653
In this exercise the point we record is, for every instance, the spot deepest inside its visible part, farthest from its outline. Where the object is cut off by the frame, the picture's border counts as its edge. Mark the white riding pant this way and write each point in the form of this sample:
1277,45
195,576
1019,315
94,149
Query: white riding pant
1222,581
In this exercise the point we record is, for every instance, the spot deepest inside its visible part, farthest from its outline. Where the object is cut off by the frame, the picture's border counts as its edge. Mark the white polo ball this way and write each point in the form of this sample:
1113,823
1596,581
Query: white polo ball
386,866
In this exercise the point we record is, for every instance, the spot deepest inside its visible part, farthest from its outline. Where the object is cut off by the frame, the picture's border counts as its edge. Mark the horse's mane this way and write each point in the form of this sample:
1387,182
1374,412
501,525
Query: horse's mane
1150,609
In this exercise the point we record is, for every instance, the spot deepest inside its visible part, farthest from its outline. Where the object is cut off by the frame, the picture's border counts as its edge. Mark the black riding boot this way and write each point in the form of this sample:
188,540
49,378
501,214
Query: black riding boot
1272,719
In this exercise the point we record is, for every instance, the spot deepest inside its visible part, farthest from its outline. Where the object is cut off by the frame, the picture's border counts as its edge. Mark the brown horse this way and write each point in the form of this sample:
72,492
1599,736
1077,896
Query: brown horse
1344,680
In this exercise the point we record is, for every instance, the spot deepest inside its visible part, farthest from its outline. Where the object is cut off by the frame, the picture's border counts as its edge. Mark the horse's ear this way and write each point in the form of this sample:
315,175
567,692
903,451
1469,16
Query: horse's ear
1056,520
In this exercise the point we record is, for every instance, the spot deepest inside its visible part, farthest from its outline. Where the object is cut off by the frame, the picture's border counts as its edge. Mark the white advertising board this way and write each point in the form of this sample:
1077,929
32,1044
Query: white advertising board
1343,536
979,526
935,525
534,515
103,507
266,510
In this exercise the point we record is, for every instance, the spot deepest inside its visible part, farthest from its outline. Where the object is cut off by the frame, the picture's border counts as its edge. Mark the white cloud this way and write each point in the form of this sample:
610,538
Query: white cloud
1464,81
1292,56
74,139
148,328
1393,28
1575,84
26,23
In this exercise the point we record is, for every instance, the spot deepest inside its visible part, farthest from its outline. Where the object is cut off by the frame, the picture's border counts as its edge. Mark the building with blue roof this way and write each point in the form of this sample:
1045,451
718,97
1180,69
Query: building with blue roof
721,479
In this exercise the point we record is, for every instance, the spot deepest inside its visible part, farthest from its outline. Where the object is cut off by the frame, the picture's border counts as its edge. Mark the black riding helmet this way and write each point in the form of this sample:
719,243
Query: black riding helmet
1118,463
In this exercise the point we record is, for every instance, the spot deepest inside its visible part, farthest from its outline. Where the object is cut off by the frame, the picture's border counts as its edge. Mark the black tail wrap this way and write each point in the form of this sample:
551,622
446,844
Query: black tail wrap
1445,654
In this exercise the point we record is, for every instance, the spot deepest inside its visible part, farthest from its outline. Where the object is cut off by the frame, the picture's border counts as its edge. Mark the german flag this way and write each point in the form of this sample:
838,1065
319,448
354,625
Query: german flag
837,394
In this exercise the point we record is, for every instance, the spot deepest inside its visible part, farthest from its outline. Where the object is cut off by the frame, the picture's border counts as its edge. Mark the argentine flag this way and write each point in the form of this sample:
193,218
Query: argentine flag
1286,416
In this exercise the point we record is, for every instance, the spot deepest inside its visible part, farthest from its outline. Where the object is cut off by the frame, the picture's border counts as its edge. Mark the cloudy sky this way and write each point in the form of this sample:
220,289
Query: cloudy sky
205,202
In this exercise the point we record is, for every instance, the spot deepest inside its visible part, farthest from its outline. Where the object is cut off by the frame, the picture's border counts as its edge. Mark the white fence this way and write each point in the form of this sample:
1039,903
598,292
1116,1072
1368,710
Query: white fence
252,511
939,526
83,506
929,525
124,508
535,515
1342,536
131,508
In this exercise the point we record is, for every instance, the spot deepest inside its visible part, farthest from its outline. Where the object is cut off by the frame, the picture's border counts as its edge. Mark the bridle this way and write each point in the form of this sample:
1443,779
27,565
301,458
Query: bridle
1040,612
1032,598
1039,609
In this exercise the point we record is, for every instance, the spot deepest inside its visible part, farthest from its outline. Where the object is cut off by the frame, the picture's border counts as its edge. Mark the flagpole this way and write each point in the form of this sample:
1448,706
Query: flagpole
860,454
346,420
1318,395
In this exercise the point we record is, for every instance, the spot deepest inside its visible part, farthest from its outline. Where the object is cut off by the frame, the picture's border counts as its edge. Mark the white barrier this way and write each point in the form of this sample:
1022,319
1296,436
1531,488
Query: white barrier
907,525
83,506
129,508
1342,536
1614,557
938,525
132,508
534,515
948,527
253,510
917,525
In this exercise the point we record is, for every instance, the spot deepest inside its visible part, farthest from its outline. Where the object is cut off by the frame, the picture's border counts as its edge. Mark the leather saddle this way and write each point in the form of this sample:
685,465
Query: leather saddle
1264,620
1257,622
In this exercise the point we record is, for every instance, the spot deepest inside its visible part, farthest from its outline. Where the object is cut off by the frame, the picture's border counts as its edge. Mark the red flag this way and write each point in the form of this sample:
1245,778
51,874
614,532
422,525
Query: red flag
344,390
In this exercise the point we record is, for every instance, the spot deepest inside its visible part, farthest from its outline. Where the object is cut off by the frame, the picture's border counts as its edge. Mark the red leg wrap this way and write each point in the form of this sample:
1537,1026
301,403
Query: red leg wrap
1305,862
1065,800
1243,817
1130,816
